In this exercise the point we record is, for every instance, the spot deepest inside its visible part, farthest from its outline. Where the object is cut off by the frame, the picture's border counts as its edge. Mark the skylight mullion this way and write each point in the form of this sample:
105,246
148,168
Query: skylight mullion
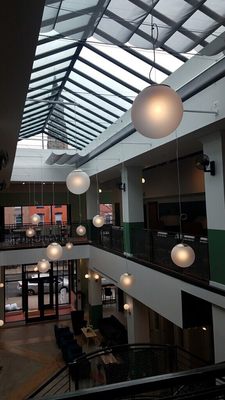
108,121
56,51
102,98
51,64
98,107
102,85
54,135
32,89
48,75
32,121
73,138
32,130
75,113
74,125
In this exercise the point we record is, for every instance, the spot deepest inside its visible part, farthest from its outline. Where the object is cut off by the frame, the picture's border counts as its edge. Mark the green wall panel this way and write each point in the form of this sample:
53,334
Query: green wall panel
95,314
128,228
216,239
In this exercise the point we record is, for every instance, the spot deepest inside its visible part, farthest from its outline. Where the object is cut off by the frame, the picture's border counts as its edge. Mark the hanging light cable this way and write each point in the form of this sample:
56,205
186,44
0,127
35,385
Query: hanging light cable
127,279
81,230
35,218
182,254
98,220
54,250
157,110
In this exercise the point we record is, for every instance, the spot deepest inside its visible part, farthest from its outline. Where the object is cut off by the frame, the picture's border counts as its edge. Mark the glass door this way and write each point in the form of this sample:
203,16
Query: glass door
40,295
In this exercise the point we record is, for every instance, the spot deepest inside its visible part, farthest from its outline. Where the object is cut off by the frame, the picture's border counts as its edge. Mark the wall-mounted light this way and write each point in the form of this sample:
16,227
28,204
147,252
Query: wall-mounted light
204,328
203,163
1,322
96,277
122,186
99,190
127,308
142,180
87,276
69,245
1,285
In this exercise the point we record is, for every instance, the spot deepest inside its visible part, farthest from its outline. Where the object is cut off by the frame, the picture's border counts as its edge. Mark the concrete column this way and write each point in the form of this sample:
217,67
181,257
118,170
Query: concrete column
214,146
91,205
137,321
94,299
2,295
132,204
218,315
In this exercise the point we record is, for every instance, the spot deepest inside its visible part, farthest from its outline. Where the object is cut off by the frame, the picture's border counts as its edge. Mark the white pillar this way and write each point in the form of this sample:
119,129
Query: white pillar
137,321
132,204
218,315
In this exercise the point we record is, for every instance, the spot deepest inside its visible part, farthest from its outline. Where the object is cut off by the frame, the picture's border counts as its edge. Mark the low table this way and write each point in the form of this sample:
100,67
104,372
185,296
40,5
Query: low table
88,333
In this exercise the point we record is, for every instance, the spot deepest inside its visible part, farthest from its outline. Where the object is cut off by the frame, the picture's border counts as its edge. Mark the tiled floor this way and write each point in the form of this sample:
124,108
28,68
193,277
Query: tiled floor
29,355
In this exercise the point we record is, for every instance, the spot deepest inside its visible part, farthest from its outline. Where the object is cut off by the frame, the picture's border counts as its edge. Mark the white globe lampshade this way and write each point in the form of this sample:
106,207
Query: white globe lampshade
30,232
35,218
54,251
1,284
43,265
69,245
126,279
126,307
77,181
1,322
87,276
98,221
183,255
81,230
157,111
35,268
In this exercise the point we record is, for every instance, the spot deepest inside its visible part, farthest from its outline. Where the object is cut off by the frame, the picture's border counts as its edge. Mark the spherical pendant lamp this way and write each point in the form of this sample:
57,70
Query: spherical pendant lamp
98,221
126,279
183,255
77,181
81,230
54,251
35,219
36,268
69,245
30,232
43,265
157,111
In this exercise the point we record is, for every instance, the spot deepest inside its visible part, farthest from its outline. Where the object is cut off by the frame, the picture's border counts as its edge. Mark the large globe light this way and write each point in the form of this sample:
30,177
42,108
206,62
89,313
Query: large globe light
157,111
35,218
81,230
126,279
43,265
30,232
69,245
54,251
77,181
183,255
98,221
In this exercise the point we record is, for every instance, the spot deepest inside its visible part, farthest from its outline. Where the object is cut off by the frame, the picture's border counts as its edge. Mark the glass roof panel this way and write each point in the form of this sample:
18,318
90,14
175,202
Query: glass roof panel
99,54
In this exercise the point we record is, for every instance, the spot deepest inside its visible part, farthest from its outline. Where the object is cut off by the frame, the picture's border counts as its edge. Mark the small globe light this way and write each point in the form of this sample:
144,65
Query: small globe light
157,111
98,221
1,285
54,251
183,255
126,307
43,265
35,218
87,276
77,181
81,230
1,322
96,277
69,245
35,268
142,180
30,232
126,279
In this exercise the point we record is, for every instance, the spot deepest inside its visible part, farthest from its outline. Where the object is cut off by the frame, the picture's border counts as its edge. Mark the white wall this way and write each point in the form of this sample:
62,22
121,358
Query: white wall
29,256
160,292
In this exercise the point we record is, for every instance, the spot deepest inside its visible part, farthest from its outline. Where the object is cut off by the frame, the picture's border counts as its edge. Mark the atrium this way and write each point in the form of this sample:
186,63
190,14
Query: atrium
71,74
